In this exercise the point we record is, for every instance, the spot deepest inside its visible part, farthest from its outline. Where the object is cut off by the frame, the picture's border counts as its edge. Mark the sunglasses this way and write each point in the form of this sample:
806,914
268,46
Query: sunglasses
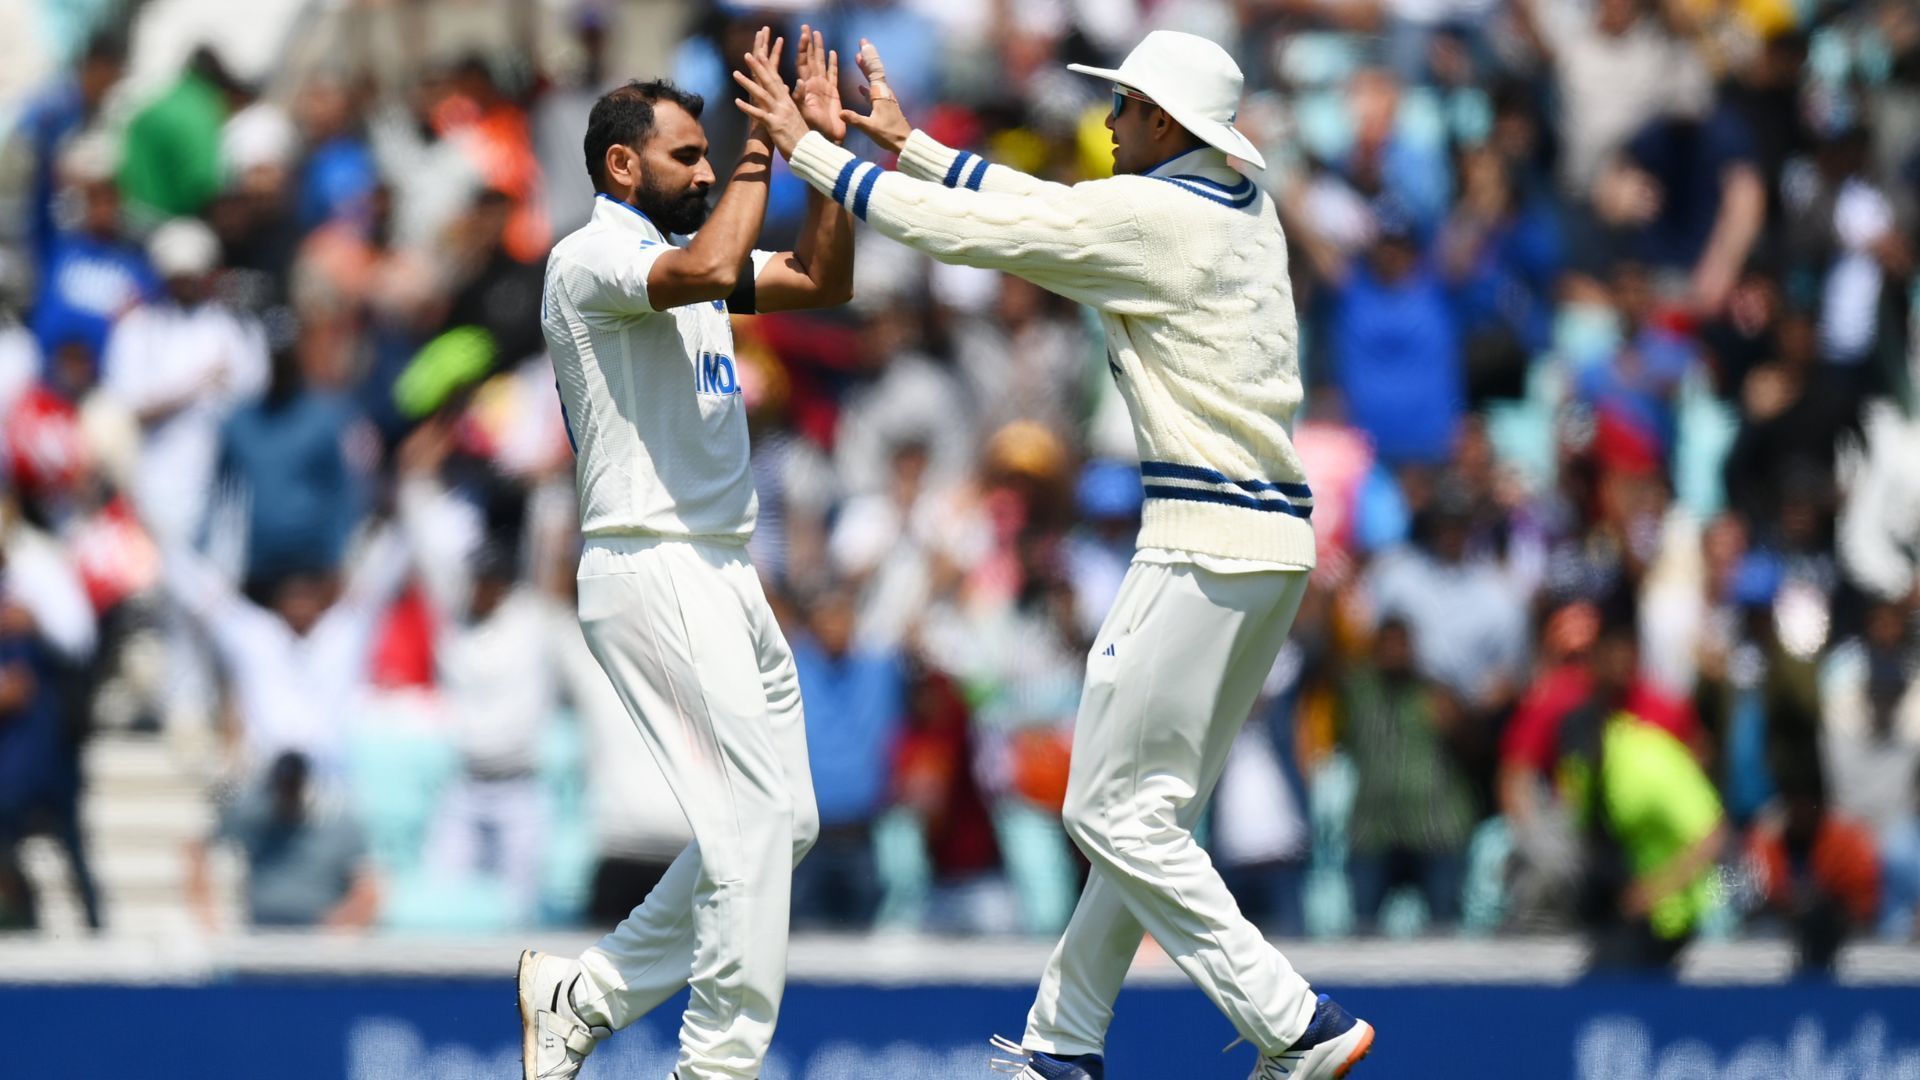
1120,96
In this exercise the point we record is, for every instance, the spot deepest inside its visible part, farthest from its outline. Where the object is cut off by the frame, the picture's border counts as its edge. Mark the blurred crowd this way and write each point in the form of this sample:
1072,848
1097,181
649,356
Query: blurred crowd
1607,314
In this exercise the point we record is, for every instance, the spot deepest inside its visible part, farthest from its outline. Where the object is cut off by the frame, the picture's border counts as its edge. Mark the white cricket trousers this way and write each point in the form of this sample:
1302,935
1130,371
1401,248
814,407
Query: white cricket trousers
1190,649
684,632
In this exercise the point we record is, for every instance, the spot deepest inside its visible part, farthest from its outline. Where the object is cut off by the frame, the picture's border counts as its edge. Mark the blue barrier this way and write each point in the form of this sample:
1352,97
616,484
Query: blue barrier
372,1029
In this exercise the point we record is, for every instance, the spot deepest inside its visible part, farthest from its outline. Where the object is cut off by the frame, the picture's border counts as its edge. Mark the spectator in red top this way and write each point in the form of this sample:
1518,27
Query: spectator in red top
1566,682
1546,847
933,781
1816,869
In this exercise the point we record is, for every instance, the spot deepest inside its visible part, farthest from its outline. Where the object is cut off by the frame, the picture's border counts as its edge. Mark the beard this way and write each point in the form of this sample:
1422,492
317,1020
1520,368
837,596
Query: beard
678,213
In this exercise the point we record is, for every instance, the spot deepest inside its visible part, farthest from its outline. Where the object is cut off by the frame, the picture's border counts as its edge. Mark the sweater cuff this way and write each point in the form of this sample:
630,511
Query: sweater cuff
927,158
835,171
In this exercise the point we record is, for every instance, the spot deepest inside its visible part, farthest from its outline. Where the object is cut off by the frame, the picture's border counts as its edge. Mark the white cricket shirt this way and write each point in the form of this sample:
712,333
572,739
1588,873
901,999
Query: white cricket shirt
652,398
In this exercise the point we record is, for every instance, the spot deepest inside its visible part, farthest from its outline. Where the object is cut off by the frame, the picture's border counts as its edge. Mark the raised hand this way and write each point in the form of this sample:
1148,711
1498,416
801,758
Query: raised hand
769,101
885,124
767,49
817,91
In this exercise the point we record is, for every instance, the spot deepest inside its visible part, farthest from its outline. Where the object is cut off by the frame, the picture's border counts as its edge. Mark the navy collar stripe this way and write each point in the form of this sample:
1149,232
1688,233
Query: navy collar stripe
1240,188
1236,203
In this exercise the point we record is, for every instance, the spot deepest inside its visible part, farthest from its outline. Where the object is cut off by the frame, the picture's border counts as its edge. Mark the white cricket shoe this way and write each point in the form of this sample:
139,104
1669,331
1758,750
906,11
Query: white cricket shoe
1025,1064
554,1041
1333,1044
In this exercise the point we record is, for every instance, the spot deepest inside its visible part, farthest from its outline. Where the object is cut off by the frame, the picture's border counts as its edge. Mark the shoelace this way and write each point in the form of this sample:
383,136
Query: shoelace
1012,1066
1273,1069
1270,1068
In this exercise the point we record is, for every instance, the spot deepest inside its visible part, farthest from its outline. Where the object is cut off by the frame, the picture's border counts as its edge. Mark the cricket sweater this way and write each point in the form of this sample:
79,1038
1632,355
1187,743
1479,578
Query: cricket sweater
1187,268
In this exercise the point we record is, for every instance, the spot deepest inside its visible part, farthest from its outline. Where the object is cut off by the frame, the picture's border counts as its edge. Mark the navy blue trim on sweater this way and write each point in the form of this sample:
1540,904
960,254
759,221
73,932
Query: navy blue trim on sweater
1245,185
844,180
953,171
865,189
1167,470
1227,498
979,174
1237,203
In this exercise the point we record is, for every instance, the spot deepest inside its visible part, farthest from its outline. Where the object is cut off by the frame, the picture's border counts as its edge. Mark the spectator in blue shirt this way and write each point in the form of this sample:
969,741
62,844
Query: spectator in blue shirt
1396,348
1385,159
855,700
63,110
91,275
339,174
290,454
1687,194
1503,251
1638,384
39,759
26,740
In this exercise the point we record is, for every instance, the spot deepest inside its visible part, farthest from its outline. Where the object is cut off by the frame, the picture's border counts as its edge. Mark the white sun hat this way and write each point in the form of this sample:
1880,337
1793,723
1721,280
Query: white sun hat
183,247
1194,80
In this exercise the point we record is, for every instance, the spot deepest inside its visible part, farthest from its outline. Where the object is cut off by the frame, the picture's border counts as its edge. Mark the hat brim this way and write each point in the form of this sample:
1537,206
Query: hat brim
1223,137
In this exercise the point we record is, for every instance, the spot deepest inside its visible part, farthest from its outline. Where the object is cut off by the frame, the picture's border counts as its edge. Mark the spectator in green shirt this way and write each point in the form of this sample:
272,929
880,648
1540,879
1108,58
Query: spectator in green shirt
172,166
1652,821
1414,809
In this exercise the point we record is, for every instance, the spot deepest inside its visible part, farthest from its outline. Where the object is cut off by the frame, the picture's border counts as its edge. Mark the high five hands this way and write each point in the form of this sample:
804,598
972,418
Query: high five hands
885,124
814,101
765,54
817,88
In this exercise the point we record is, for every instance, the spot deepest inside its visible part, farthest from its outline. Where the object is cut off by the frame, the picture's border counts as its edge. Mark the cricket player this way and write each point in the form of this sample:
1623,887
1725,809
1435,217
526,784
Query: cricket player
637,324
1184,260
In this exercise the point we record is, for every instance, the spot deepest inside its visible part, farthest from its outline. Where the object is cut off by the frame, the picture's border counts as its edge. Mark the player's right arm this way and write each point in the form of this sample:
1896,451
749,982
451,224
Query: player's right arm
710,266
1084,242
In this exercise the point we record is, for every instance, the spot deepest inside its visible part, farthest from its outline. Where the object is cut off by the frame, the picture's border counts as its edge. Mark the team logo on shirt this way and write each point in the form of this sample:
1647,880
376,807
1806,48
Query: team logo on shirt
714,375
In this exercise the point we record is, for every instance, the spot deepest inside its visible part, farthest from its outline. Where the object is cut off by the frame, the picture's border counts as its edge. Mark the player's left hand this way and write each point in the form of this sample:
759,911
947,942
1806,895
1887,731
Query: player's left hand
817,91
769,100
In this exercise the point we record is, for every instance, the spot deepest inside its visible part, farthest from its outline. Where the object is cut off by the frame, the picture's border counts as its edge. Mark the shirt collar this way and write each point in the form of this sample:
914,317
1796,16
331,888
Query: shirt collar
621,215
1199,161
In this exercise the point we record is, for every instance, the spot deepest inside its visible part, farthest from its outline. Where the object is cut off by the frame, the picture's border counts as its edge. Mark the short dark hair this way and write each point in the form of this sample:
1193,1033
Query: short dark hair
624,117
